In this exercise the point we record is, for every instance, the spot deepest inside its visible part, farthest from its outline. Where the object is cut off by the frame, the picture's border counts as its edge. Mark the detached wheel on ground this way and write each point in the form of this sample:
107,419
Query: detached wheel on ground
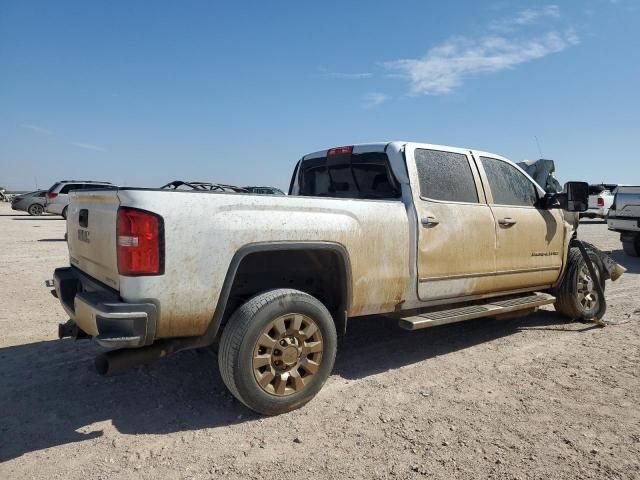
277,350
631,246
35,209
577,296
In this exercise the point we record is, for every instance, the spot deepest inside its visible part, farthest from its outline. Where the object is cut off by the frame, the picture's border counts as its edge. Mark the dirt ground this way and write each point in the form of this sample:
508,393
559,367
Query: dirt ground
535,397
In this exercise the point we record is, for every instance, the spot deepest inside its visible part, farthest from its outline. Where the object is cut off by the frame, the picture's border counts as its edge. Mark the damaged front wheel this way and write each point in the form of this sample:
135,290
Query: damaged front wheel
577,294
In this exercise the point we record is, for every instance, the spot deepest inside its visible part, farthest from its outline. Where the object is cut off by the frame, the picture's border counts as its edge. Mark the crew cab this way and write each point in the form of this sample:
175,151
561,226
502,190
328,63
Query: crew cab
423,233
624,218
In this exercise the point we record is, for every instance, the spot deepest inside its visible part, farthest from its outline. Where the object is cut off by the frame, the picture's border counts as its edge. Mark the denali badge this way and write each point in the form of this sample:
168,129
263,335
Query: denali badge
83,236
544,254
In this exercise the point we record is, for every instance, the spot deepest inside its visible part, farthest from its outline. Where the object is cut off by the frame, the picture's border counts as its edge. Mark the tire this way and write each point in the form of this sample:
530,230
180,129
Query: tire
632,246
277,326
64,213
572,299
35,209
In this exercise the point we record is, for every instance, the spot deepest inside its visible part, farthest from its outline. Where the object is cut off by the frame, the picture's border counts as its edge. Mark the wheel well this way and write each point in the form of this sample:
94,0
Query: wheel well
320,272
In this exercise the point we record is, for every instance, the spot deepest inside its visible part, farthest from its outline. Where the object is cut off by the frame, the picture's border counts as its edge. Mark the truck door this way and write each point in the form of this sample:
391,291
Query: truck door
456,236
530,241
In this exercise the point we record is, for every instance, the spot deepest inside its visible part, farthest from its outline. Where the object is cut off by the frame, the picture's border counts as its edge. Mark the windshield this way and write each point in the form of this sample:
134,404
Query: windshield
364,175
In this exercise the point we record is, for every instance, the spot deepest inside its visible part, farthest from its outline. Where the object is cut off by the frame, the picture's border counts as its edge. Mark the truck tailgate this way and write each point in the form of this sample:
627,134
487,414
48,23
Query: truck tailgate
91,230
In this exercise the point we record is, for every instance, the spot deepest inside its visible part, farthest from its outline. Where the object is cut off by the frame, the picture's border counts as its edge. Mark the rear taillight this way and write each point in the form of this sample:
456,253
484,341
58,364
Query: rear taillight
140,242
51,196
600,202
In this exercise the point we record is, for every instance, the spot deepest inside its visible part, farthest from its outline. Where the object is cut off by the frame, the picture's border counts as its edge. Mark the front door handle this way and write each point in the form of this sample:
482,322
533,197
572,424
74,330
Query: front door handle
429,221
507,222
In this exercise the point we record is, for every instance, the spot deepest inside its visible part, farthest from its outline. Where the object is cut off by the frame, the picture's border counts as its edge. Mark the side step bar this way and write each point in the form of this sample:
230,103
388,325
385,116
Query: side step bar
493,307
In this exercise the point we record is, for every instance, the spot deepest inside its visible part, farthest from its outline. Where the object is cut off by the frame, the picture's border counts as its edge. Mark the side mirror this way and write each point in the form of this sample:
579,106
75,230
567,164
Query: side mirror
574,198
577,199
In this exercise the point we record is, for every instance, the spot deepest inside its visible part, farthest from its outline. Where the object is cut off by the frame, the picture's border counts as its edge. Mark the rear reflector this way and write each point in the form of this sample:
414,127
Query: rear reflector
340,151
600,202
139,242
51,195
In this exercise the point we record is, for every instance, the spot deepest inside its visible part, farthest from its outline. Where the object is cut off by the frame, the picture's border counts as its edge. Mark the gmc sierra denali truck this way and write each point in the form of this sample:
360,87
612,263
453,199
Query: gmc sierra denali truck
427,234
624,217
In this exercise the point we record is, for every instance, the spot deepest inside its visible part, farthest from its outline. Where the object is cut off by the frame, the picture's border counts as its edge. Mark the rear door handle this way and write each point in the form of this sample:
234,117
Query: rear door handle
429,221
507,222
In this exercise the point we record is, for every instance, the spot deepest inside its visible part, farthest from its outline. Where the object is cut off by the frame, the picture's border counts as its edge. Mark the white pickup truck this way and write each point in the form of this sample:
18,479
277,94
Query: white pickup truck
600,200
624,217
427,234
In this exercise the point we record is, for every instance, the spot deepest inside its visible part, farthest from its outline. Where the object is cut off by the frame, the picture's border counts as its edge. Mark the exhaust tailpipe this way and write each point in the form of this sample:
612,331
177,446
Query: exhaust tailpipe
118,361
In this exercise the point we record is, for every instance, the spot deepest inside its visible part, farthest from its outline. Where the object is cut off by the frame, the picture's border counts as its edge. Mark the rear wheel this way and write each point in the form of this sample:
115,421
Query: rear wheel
631,246
35,209
577,296
64,213
277,350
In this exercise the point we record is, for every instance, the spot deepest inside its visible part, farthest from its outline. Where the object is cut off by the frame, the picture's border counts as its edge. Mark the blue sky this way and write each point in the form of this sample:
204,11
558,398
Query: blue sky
140,93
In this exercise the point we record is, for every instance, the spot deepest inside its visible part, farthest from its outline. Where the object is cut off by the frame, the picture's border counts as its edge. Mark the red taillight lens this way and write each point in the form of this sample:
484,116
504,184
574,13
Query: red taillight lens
600,202
51,195
139,242
340,151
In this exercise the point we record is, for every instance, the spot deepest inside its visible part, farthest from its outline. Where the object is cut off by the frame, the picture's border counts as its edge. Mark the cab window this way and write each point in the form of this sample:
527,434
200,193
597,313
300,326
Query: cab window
509,185
445,176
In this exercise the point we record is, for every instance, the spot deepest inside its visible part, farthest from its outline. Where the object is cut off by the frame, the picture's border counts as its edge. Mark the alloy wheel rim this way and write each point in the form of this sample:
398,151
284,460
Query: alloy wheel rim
36,209
587,294
287,354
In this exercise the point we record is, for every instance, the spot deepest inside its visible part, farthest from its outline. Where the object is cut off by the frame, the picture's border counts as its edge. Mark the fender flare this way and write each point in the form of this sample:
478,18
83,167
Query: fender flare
214,326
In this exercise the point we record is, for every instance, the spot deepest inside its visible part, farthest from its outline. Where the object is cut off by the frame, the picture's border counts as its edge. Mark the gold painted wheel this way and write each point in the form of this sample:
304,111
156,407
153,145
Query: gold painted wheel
586,291
287,354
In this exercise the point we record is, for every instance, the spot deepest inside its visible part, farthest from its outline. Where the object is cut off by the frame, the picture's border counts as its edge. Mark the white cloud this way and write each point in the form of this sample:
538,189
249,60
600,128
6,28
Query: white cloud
373,99
446,66
37,129
89,146
348,76
526,17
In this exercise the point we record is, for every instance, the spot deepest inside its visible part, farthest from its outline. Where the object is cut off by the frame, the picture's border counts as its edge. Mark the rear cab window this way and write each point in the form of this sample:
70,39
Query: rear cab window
364,175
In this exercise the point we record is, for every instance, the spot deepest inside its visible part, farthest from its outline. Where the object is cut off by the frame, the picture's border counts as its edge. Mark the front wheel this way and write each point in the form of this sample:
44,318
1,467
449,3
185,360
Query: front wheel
577,296
277,350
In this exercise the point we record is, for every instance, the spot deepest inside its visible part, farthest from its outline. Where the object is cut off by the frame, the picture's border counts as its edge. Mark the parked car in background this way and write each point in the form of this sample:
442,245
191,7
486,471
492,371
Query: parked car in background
202,186
600,200
265,190
624,217
57,198
32,202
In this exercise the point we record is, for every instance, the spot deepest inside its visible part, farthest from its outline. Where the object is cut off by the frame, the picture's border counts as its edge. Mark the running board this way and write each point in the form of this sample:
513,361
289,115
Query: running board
492,308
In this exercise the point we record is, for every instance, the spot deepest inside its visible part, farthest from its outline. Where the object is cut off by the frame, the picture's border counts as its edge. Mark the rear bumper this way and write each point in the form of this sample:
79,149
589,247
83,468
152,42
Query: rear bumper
600,212
620,224
99,312
55,208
